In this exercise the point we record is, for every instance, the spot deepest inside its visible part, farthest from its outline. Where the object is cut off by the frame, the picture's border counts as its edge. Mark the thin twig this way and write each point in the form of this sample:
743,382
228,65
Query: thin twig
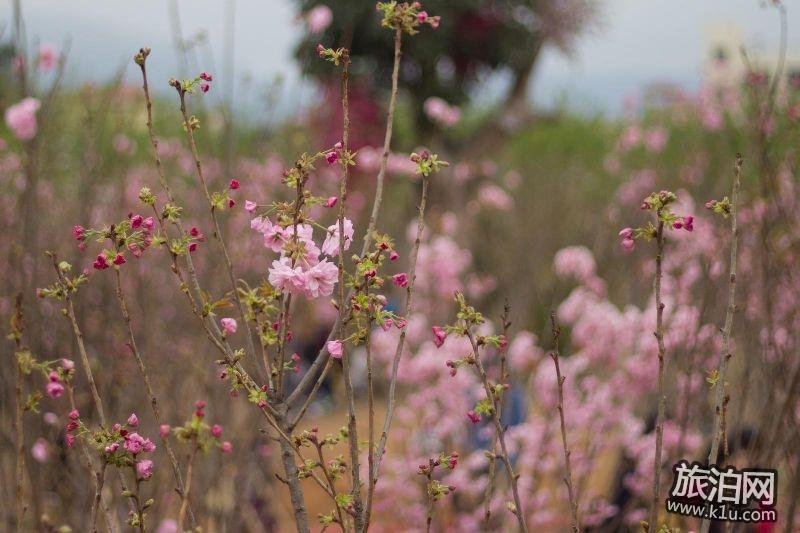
217,230
387,139
18,426
185,493
322,356
390,403
98,475
662,399
176,472
489,493
331,482
555,354
718,433
70,313
358,503
500,432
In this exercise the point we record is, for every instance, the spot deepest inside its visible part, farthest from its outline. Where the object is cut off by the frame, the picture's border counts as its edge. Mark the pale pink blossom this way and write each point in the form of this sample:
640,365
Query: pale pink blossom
123,144
334,348
655,139
40,451
274,234
331,244
285,277
320,279
319,18
250,206
492,196
441,112
574,262
47,57
21,118
168,525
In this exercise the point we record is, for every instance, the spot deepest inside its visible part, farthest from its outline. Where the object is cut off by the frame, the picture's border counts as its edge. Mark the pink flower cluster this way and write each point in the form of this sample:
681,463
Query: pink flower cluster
308,275
132,444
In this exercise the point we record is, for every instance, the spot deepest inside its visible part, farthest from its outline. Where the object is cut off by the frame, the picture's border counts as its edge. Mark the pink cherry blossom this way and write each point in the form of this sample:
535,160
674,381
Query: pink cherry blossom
229,325
628,245
575,262
320,279
401,279
144,469
439,335
101,262
331,244
47,57
439,111
40,451
21,118
285,277
250,206
334,348
54,389
133,420
319,18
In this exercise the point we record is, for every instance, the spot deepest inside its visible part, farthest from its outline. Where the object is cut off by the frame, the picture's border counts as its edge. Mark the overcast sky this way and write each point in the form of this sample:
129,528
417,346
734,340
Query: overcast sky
640,41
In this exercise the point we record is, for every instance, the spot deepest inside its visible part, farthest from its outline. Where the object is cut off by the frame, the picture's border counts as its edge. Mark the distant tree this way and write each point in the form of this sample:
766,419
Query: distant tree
476,37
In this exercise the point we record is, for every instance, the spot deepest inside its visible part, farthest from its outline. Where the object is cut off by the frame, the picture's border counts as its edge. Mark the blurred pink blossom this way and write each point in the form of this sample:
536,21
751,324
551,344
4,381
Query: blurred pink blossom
319,18
21,118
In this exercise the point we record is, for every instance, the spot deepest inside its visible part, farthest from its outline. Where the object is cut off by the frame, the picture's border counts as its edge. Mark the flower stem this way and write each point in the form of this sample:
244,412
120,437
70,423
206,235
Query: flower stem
573,502
176,472
500,433
390,405
720,400
322,356
662,398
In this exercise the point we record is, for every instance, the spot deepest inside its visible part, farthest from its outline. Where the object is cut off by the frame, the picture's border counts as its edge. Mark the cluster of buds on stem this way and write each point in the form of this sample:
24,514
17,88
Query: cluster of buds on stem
659,203
720,207
202,436
405,16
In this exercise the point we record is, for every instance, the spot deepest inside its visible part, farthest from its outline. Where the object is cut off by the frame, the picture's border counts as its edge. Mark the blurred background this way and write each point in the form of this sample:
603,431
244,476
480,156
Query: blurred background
557,116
